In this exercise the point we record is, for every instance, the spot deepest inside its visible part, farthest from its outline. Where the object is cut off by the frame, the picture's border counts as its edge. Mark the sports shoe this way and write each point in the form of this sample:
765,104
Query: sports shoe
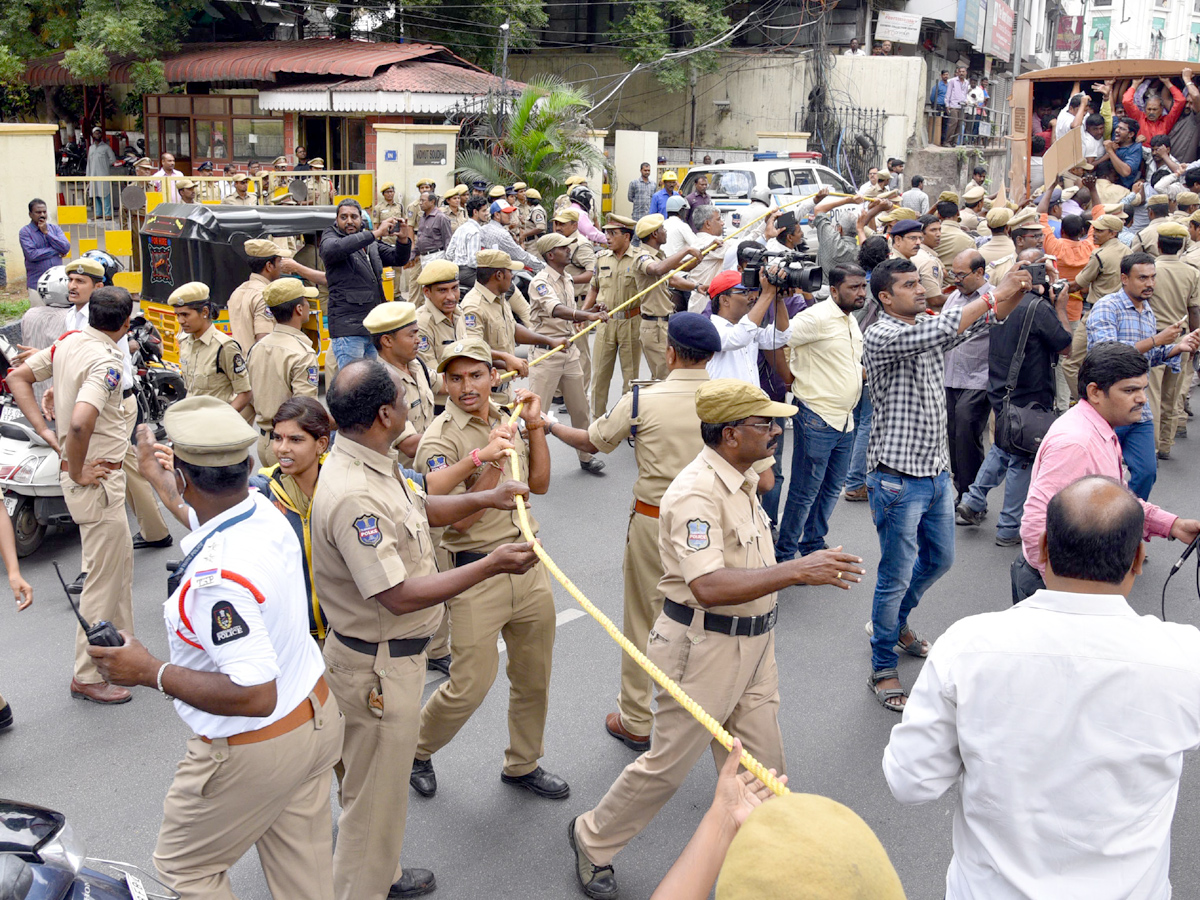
964,515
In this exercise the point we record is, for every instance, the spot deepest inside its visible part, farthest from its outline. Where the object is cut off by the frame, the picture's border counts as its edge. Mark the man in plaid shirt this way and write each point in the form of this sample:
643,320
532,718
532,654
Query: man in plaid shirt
641,192
908,456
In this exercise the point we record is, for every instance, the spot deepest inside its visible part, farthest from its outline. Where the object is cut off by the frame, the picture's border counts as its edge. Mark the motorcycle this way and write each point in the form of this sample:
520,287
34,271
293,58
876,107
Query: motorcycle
156,383
42,859
72,160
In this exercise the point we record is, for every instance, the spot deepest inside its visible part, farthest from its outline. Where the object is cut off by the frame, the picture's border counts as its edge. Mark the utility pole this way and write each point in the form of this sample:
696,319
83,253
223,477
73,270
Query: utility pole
1018,37
692,89
504,67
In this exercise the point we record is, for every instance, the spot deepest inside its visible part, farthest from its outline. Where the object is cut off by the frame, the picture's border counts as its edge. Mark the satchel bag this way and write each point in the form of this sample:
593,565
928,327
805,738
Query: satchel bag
1020,429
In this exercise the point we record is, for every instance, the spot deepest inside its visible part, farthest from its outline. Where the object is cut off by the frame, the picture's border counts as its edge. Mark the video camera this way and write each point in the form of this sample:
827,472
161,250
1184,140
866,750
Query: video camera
807,278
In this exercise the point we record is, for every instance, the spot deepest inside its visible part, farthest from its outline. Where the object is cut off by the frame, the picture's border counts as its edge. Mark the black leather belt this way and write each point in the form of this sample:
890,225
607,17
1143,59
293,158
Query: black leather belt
888,470
127,393
742,626
466,557
396,648
647,318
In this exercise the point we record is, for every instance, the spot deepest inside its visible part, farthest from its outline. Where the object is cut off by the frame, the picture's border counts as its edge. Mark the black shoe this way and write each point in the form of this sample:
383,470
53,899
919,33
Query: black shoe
422,779
540,782
592,466
1164,454
1008,541
413,883
140,543
6,717
964,515
76,586
598,882
439,664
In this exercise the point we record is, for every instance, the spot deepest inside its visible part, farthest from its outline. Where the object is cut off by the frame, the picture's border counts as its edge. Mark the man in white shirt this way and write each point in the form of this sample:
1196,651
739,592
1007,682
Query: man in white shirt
1071,115
740,314
1067,753
679,233
169,177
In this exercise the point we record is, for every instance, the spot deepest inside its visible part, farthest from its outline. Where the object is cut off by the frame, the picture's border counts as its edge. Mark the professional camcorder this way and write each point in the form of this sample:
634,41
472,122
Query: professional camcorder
802,277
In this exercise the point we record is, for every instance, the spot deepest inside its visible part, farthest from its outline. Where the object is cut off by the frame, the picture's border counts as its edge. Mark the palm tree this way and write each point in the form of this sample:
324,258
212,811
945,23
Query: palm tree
542,140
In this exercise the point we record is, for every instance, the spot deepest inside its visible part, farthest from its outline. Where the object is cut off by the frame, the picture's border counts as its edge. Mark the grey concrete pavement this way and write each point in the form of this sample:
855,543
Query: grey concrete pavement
108,769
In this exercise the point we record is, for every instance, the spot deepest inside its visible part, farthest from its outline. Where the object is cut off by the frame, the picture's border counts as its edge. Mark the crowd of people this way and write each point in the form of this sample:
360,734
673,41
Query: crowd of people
959,343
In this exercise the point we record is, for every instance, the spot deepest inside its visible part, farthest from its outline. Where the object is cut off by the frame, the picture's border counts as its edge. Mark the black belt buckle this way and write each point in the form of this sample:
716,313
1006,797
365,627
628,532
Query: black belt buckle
466,557
127,393
771,618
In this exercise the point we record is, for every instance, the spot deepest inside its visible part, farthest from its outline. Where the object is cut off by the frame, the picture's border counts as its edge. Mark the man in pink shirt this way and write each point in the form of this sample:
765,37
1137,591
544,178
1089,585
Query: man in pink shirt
1112,382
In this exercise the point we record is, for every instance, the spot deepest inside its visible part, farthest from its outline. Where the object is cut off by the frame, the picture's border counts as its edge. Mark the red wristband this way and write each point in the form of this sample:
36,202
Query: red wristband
475,458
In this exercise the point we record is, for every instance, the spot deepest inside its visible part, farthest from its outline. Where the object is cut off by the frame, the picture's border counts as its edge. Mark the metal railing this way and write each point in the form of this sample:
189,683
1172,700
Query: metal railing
849,138
983,129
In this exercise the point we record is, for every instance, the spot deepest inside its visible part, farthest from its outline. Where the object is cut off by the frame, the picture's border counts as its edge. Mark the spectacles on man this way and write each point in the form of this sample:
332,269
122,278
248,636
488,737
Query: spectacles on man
763,425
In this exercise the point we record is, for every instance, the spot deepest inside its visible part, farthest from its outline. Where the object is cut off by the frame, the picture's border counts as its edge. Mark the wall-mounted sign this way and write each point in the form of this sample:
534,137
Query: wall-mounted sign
389,155
898,27
429,154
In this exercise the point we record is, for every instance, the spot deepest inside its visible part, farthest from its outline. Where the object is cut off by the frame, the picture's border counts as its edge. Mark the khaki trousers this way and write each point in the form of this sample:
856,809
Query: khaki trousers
585,359
732,678
654,347
1164,390
439,644
138,493
562,372
273,795
615,336
99,511
643,606
1070,365
377,756
266,456
410,288
520,608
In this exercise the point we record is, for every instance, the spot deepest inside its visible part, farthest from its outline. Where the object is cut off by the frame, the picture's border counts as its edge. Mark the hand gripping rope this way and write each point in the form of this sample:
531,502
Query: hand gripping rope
712,725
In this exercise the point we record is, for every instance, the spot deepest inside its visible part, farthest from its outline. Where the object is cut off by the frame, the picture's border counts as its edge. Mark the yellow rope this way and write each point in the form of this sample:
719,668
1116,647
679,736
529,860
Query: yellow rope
642,293
712,725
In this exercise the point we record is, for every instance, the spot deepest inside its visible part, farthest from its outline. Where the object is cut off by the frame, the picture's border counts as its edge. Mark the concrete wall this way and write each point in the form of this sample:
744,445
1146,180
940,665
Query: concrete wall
946,169
34,177
632,148
394,139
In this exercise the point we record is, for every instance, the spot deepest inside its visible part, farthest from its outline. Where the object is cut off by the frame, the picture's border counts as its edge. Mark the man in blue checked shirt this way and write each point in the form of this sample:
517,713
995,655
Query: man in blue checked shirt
1126,317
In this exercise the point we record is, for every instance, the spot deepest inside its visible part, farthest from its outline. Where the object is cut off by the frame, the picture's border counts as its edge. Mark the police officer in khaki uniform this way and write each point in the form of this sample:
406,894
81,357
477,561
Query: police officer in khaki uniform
651,265
394,334
241,195
1100,277
998,252
907,244
715,543
455,201
1146,240
553,313
439,320
1192,254
614,283
581,267
320,186
461,450
92,439
969,215
245,677
387,208
249,319
537,214
211,361
374,571
1176,297
661,420
488,315
282,364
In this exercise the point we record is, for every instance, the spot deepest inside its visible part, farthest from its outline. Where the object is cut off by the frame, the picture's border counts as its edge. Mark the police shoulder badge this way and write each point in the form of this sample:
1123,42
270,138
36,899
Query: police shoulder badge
239,364
437,462
423,344
697,538
112,378
367,527
227,624
314,375
470,320
543,289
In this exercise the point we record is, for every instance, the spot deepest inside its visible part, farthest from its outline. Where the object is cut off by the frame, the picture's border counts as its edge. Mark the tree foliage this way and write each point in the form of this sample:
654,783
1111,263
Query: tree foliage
649,31
474,32
542,140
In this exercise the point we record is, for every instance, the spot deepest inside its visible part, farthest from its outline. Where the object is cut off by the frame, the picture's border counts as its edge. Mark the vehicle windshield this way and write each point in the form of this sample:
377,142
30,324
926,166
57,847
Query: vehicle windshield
835,181
721,184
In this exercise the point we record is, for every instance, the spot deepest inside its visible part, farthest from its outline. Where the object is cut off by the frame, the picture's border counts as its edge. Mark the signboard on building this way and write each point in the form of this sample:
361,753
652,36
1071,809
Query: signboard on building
998,41
968,25
1068,37
897,27
429,154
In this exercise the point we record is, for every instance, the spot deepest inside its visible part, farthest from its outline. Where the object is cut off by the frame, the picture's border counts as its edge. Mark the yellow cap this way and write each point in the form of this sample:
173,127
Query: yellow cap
280,161
1159,200
973,194
496,259
948,196
731,399
1187,198
240,177
205,431
533,194
519,185
437,272
548,242
471,348
804,839
387,186
1026,218
425,182
573,180
1172,229
388,317
615,221
1194,218
185,184
1111,223
496,192
192,292
457,191
285,290
647,225
567,215
999,217
85,266
899,214
260,248
670,175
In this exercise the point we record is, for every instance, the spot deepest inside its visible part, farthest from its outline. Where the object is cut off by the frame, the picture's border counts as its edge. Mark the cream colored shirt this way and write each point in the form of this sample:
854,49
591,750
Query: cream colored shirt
248,313
825,356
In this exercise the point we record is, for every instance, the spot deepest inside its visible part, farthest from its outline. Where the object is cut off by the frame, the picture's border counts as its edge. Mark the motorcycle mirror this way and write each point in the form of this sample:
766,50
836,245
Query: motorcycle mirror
137,321
16,878
133,197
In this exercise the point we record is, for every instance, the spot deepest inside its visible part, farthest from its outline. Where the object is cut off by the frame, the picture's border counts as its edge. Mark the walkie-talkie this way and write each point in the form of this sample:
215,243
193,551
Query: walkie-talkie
102,634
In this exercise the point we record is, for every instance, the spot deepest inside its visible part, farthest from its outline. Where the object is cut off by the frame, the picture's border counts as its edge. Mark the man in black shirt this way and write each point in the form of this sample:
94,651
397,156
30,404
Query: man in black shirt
1048,338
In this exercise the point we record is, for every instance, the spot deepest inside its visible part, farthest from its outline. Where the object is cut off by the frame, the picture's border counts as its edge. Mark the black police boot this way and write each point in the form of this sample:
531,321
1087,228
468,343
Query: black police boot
422,779
6,716
540,782
598,882
76,586
439,664
413,883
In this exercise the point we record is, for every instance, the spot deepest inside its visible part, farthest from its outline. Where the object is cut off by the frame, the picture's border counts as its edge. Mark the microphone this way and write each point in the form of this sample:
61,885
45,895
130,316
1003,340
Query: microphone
1186,553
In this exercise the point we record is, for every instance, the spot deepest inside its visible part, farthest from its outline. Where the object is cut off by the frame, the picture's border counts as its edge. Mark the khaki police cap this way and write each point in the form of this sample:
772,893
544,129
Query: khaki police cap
1068,192
317,162
387,186
1159,200
240,177
533,194
670,175
973,194
438,272
388,317
519,185
899,214
567,215
1025,219
615,221
1172,229
948,196
285,290
1116,209
205,431
279,161
999,217
471,348
143,163
647,225
1194,218
496,192
1188,198
1109,222
192,292
425,182
548,242
85,266
185,184
457,191
260,248
805,839
574,180
731,399
497,259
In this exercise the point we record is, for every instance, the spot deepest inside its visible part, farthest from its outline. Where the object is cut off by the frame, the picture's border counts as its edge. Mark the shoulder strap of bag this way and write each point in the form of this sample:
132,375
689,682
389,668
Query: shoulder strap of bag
1014,368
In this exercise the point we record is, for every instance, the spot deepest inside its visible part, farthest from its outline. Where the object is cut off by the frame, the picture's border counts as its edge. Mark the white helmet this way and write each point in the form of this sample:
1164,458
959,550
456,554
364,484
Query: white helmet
52,287
762,195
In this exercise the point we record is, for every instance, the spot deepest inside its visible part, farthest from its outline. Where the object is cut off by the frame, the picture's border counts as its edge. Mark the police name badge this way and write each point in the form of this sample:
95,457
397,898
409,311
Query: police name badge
697,538
208,563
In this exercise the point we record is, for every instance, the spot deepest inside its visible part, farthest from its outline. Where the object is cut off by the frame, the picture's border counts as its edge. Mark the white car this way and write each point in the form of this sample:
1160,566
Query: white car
729,184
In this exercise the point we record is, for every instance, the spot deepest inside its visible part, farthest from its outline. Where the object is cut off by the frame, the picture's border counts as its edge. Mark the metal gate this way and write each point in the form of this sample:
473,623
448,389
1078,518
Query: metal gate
849,138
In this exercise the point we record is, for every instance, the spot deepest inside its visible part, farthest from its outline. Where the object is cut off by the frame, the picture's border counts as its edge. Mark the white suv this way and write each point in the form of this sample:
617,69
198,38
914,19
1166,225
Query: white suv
729,184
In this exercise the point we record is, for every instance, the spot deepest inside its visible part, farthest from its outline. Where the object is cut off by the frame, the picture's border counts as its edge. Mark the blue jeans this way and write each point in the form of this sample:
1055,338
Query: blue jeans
915,521
1000,466
347,349
862,433
1137,446
770,500
820,458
